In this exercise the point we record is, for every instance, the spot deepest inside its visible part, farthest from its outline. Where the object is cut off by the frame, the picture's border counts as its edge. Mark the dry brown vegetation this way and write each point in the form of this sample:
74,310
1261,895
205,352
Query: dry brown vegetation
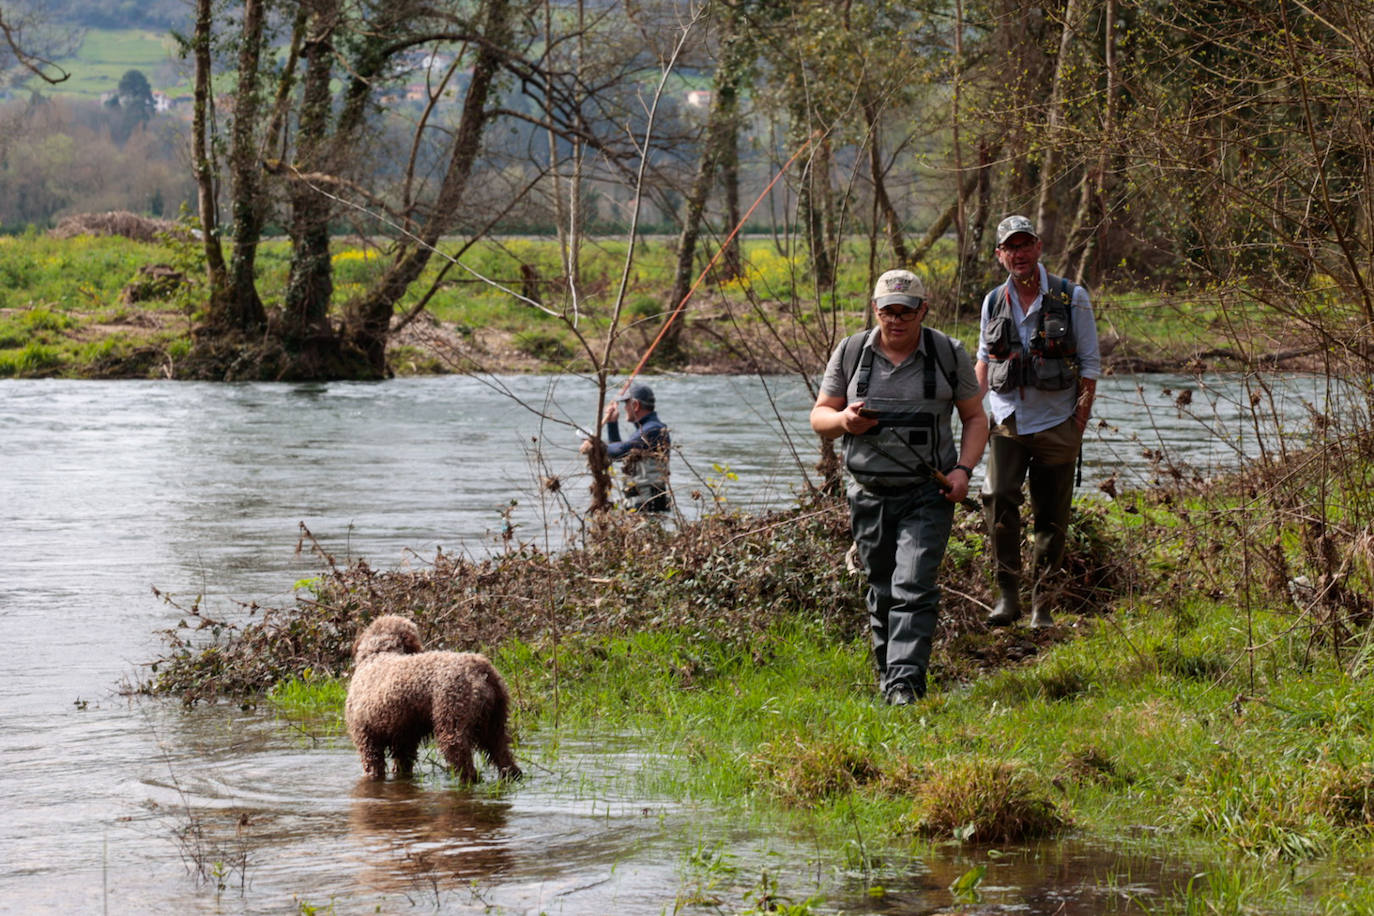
121,223
719,578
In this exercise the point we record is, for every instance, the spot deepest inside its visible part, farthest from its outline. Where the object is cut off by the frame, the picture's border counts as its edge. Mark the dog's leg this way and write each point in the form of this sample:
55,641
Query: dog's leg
403,756
457,750
373,756
505,761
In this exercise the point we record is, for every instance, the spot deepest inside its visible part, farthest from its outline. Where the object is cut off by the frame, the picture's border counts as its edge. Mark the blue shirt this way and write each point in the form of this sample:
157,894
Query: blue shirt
651,435
1038,410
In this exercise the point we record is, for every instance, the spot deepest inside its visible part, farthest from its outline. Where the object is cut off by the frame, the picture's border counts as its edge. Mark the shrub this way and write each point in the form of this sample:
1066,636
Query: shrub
1345,795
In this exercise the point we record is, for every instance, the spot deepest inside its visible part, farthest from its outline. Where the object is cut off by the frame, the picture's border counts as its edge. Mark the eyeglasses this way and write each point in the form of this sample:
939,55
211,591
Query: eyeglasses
1022,245
894,314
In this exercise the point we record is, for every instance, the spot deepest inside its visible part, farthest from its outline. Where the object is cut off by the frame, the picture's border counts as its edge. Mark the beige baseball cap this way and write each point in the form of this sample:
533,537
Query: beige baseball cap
899,287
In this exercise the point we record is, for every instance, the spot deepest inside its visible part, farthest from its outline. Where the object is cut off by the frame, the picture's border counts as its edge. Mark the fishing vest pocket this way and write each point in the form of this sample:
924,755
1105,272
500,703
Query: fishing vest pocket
1002,338
1004,375
1053,373
1056,340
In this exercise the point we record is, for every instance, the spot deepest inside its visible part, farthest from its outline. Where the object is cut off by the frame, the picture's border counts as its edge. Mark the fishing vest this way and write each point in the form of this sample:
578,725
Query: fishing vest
907,443
1051,363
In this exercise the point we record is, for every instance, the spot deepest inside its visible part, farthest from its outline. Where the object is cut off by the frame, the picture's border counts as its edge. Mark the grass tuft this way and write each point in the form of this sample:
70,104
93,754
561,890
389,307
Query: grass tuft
800,770
978,799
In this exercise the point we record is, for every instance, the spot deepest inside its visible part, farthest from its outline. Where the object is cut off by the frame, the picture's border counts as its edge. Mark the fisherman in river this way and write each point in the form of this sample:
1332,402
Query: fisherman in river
1038,355
890,393
644,457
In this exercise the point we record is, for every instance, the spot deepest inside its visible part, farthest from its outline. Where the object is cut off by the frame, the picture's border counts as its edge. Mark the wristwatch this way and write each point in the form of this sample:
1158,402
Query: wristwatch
965,468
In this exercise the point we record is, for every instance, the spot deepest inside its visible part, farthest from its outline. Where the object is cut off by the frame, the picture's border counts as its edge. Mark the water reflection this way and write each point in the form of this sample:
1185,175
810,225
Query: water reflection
411,837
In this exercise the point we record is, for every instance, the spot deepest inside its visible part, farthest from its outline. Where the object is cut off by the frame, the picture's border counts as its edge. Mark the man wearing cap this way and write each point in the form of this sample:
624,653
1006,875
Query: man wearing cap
645,455
1038,356
890,392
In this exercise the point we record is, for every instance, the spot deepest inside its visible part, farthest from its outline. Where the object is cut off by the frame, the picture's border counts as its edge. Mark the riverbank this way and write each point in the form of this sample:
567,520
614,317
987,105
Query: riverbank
113,307
1204,699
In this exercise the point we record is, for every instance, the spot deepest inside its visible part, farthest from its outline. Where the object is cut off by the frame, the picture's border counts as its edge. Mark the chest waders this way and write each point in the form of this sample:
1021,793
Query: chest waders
906,446
647,486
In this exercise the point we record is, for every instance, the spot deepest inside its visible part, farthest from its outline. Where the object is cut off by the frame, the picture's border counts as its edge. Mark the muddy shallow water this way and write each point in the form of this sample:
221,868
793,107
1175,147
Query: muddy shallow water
125,806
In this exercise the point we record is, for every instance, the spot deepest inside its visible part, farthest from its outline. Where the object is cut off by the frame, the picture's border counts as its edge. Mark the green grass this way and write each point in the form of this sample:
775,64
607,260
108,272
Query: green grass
82,277
1250,790
106,55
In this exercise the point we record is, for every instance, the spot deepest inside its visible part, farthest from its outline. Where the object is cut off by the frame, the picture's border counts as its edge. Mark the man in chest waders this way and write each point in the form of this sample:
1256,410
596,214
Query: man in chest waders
890,393
1038,356
644,455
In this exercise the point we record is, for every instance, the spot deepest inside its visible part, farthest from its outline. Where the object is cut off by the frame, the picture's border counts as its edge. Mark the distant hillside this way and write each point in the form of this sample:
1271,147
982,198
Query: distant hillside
159,15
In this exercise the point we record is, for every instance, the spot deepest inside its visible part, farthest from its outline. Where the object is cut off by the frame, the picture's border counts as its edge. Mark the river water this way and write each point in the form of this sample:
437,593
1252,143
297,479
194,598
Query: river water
117,805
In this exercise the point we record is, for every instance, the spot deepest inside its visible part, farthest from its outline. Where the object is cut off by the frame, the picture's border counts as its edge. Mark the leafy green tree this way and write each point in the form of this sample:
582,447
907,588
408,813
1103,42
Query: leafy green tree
135,94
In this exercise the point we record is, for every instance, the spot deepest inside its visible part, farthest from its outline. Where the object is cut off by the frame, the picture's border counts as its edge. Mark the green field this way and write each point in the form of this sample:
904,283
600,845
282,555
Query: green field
106,55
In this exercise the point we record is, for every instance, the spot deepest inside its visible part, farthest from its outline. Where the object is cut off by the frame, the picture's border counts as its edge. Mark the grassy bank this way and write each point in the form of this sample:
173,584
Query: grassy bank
80,307
1206,697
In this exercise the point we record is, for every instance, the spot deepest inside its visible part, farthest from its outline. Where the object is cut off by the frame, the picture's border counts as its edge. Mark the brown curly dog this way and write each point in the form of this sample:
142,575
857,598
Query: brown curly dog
401,695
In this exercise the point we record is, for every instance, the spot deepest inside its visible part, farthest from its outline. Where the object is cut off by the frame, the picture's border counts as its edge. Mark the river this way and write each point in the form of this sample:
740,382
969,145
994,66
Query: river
112,489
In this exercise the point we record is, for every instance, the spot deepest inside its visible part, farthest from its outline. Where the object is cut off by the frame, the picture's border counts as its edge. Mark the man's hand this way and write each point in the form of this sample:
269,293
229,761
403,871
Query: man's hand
612,413
854,422
958,485
1083,407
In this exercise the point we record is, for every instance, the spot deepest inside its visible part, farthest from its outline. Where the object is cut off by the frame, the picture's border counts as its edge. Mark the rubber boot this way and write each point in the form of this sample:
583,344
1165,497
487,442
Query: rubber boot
1008,609
1042,597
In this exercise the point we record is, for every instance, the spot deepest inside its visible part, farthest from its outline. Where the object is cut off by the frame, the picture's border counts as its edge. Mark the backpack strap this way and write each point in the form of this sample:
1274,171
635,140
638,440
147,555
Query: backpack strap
1064,295
932,360
851,355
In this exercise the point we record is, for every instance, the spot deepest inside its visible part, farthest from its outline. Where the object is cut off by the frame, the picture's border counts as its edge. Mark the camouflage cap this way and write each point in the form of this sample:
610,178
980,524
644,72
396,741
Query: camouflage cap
1012,225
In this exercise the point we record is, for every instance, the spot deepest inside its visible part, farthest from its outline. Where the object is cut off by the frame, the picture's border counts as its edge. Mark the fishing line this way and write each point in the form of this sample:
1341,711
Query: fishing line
402,230
712,263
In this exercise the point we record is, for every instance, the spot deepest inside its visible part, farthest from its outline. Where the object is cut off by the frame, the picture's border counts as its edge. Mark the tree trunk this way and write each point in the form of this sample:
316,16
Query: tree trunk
719,145
368,321
975,255
1091,222
815,183
881,202
311,282
216,270
243,309
1046,213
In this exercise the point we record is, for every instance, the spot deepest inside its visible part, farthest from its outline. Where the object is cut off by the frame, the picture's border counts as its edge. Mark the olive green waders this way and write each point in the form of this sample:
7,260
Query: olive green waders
1048,459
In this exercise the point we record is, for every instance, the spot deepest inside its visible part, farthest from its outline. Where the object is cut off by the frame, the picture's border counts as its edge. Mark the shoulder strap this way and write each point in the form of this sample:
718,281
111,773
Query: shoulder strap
929,336
1061,289
849,356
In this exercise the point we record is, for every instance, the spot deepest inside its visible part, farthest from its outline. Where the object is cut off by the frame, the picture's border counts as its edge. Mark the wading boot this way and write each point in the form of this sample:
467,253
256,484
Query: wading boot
1008,609
1042,599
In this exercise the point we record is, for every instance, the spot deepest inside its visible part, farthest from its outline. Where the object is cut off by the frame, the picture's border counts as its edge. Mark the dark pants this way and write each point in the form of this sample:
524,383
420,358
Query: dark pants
901,540
1048,458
